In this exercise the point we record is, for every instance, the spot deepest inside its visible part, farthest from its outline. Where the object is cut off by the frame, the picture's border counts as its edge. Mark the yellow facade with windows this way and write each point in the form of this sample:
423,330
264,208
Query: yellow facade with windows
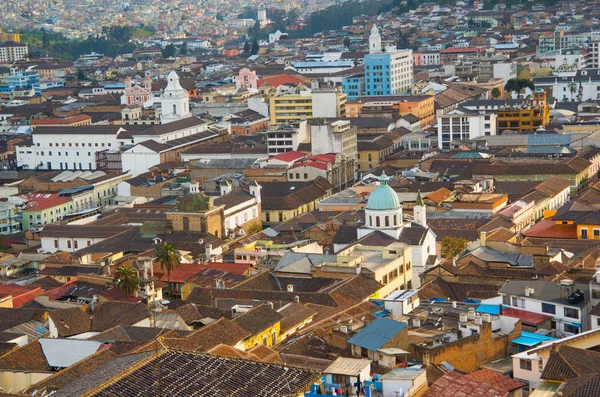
268,337
525,118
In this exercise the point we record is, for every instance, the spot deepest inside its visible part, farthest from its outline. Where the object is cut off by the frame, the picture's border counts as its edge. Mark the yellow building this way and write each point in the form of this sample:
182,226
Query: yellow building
282,201
372,150
292,108
264,325
528,117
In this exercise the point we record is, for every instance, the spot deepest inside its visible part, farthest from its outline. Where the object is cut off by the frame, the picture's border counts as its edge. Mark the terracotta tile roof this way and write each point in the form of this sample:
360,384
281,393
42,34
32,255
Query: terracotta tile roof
454,384
291,195
20,295
568,362
208,375
258,319
294,314
192,313
106,315
496,379
28,358
73,373
585,386
42,201
228,351
266,354
439,195
547,228
276,81
222,331
440,288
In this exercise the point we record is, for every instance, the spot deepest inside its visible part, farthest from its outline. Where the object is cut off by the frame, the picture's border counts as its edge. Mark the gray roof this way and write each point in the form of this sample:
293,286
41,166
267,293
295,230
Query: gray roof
297,262
547,291
488,254
375,335
226,163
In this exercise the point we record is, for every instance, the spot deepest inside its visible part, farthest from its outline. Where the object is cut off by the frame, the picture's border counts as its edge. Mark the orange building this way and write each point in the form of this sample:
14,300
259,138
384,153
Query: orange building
231,52
393,107
72,121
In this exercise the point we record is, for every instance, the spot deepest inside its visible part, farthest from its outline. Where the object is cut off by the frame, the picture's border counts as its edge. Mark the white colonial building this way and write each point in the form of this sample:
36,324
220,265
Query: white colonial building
383,213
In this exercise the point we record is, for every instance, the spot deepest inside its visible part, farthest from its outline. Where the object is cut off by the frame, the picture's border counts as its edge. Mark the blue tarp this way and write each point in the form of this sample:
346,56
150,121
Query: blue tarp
491,309
530,339
437,299
471,301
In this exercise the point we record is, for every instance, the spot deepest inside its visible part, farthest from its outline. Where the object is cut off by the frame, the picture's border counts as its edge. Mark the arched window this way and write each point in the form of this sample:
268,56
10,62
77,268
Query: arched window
370,220
395,220
387,221
174,109
377,222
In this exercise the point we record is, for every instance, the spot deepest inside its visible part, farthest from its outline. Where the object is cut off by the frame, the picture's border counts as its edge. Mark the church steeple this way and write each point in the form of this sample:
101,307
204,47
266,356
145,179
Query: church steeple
174,101
420,211
374,41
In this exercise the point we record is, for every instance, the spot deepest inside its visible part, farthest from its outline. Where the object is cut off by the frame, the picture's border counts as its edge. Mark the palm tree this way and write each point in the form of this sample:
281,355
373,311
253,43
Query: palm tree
169,259
573,89
126,277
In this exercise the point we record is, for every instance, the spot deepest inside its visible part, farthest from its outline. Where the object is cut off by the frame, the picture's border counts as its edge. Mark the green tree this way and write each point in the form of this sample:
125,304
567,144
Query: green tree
452,246
496,93
126,278
169,259
573,90
517,85
247,49
220,16
80,75
169,51
255,48
45,39
346,42
183,50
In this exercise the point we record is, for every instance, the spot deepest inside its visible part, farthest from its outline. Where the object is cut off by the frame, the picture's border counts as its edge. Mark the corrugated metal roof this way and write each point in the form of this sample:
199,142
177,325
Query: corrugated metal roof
348,366
62,353
375,335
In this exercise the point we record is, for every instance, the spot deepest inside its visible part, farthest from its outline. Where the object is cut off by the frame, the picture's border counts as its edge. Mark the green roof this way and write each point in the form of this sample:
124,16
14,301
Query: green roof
383,197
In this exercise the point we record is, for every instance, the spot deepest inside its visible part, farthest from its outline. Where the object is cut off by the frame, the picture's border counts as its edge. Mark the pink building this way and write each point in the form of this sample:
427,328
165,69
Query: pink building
136,94
246,79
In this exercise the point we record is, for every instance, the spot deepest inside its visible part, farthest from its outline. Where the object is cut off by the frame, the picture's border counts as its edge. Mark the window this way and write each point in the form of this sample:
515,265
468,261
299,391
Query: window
525,365
377,222
548,308
280,216
506,300
387,221
518,302
584,234
572,328
571,313
267,217
596,234
305,175
68,243
55,243
75,244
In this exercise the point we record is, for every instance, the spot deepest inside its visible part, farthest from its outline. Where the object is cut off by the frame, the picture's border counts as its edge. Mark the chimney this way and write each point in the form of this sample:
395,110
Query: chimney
290,287
297,299
270,304
220,284
526,291
208,251
358,269
483,238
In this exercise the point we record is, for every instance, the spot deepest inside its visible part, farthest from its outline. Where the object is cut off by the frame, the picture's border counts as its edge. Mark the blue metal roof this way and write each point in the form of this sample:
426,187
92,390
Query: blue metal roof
530,339
375,335
491,309
548,139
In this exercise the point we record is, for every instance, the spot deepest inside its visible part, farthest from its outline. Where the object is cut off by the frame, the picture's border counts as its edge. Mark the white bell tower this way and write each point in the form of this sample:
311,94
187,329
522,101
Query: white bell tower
175,101
420,211
374,41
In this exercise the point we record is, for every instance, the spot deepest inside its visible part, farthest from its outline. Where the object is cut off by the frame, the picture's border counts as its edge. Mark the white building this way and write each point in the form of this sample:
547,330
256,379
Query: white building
383,214
12,52
286,138
174,100
67,148
568,303
463,124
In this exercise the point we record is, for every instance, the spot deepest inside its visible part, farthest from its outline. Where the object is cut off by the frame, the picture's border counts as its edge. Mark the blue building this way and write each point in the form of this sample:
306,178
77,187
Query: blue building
21,80
47,85
389,71
354,86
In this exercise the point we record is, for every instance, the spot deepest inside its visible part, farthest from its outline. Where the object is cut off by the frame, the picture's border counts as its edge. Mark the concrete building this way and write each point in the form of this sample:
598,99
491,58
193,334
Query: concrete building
388,71
463,124
306,104
12,52
333,137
